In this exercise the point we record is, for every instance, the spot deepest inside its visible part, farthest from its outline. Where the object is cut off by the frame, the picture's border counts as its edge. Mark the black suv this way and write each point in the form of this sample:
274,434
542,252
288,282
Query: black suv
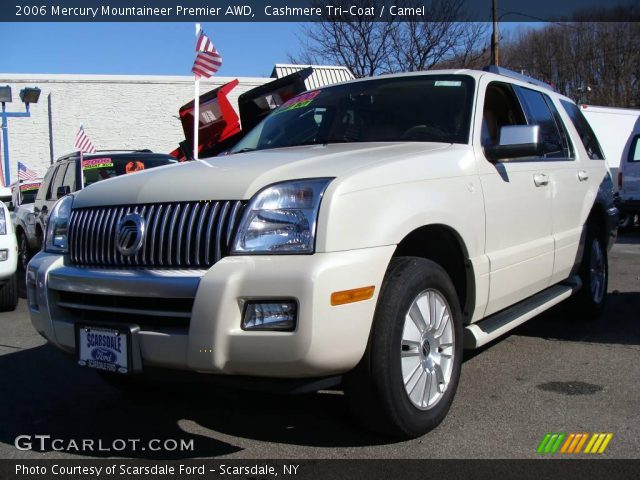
63,177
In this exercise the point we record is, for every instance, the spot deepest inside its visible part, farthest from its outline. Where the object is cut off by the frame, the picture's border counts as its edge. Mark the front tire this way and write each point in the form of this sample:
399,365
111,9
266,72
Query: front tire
9,295
405,384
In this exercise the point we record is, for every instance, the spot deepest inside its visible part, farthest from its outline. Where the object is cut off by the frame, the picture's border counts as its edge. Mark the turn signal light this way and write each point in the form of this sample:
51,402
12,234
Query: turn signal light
352,296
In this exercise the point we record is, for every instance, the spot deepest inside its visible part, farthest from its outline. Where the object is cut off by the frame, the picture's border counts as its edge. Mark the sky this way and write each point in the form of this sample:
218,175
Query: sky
248,49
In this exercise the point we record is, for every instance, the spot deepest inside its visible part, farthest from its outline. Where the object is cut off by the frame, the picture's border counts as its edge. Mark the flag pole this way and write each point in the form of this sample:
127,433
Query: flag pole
81,171
196,106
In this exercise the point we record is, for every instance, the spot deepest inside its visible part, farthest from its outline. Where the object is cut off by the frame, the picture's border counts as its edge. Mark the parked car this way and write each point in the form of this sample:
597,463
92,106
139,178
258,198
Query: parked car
24,220
365,232
8,262
618,130
63,177
5,197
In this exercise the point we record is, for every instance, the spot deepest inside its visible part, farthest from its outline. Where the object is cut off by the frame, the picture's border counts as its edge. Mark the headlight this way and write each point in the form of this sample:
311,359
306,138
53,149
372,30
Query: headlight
281,218
31,219
56,240
3,222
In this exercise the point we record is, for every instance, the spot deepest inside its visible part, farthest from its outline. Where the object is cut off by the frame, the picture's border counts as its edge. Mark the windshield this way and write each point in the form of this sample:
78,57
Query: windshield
428,108
96,169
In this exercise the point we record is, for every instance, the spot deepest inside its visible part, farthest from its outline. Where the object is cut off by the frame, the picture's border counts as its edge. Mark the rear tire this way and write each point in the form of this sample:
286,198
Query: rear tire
9,295
589,302
406,381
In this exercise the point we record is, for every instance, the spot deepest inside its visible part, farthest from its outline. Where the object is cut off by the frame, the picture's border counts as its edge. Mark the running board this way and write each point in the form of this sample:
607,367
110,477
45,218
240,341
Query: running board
484,331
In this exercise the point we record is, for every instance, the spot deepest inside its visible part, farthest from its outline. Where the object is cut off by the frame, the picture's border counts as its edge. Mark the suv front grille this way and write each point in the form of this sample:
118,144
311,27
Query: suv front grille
178,235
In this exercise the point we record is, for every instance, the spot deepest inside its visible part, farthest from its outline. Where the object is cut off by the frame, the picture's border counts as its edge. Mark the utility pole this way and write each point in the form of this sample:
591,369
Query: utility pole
495,56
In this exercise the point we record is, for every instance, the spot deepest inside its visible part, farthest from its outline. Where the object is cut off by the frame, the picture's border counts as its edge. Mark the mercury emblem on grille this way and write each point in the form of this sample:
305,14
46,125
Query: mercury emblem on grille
130,234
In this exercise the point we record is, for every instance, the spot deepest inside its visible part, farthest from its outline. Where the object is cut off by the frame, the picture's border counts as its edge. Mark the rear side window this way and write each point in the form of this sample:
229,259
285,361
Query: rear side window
57,182
634,151
585,131
70,177
46,184
551,134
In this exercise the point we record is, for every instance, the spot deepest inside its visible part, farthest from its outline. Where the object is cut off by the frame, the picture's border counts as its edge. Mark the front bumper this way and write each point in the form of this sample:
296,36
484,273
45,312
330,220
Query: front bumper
628,206
611,226
328,339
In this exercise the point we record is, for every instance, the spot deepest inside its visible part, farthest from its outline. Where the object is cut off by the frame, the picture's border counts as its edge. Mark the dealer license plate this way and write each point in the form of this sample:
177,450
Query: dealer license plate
104,349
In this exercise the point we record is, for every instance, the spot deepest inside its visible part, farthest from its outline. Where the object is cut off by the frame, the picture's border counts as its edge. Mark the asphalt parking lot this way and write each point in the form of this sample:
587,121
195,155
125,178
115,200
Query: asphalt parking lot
552,374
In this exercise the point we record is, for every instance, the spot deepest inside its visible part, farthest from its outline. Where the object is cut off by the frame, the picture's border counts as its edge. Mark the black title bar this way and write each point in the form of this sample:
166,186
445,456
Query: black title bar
313,10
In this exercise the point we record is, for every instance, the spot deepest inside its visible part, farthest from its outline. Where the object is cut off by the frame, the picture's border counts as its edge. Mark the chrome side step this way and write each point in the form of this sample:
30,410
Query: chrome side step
484,331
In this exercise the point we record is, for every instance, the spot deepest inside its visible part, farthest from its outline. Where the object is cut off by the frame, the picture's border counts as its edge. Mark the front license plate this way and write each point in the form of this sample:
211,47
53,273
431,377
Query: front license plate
103,348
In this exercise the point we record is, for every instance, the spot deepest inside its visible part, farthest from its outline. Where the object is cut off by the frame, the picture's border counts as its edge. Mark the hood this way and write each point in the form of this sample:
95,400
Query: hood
240,176
26,207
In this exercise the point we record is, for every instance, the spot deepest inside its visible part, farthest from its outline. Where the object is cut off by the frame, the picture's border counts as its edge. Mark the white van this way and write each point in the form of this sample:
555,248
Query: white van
618,130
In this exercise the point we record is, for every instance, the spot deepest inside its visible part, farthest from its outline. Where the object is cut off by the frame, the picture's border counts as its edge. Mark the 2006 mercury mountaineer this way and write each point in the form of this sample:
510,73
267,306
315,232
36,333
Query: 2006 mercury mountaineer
364,232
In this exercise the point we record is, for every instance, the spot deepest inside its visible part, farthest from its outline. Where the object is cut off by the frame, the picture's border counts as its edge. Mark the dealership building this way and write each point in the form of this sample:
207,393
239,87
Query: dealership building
117,111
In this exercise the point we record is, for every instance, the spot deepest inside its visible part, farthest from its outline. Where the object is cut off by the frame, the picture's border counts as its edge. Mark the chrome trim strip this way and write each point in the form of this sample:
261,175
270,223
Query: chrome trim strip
137,283
223,215
210,224
203,216
134,311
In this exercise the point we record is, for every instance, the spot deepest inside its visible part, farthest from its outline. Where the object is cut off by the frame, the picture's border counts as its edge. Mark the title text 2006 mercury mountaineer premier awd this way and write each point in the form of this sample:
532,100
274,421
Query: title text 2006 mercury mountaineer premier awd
365,233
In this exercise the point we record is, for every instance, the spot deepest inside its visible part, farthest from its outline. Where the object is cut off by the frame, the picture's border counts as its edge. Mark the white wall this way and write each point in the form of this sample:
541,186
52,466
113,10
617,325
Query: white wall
117,111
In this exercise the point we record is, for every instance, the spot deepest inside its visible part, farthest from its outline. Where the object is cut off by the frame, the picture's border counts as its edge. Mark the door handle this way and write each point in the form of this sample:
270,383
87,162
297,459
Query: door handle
540,180
583,175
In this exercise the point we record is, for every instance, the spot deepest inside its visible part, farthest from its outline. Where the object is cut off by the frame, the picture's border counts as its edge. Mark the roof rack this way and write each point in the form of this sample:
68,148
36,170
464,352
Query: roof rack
517,76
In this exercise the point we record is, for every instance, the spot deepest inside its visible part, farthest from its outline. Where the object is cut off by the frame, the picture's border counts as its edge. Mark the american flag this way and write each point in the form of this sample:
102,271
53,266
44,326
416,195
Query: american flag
25,173
208,60
83,143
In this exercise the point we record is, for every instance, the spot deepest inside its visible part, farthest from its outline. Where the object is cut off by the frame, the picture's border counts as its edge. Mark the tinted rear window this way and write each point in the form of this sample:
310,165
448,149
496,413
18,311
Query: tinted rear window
585,131
101,168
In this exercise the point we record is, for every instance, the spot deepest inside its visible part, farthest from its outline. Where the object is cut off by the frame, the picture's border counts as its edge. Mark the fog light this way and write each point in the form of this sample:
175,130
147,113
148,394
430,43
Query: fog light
272,315
4,254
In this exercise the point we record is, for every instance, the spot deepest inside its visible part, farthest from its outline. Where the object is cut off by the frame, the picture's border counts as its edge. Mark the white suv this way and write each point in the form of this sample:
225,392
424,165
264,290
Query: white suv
8,262
365,232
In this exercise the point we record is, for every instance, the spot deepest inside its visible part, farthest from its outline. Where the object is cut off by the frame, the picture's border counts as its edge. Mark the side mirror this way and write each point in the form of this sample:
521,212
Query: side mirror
516,141
11,206
63,191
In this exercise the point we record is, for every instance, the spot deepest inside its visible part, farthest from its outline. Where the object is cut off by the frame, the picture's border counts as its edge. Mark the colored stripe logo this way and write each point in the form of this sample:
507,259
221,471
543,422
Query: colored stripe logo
573,443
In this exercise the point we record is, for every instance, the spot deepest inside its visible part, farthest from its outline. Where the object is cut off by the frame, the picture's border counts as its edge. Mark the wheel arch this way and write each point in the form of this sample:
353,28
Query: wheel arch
39,235
443,245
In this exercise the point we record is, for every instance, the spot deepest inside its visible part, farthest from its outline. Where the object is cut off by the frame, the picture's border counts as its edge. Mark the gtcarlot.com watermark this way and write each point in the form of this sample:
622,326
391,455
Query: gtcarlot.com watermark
47,443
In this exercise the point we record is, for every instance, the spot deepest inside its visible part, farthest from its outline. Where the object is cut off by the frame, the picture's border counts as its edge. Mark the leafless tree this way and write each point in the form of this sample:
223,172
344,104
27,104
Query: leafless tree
370,47
441,36
594,62
356,42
